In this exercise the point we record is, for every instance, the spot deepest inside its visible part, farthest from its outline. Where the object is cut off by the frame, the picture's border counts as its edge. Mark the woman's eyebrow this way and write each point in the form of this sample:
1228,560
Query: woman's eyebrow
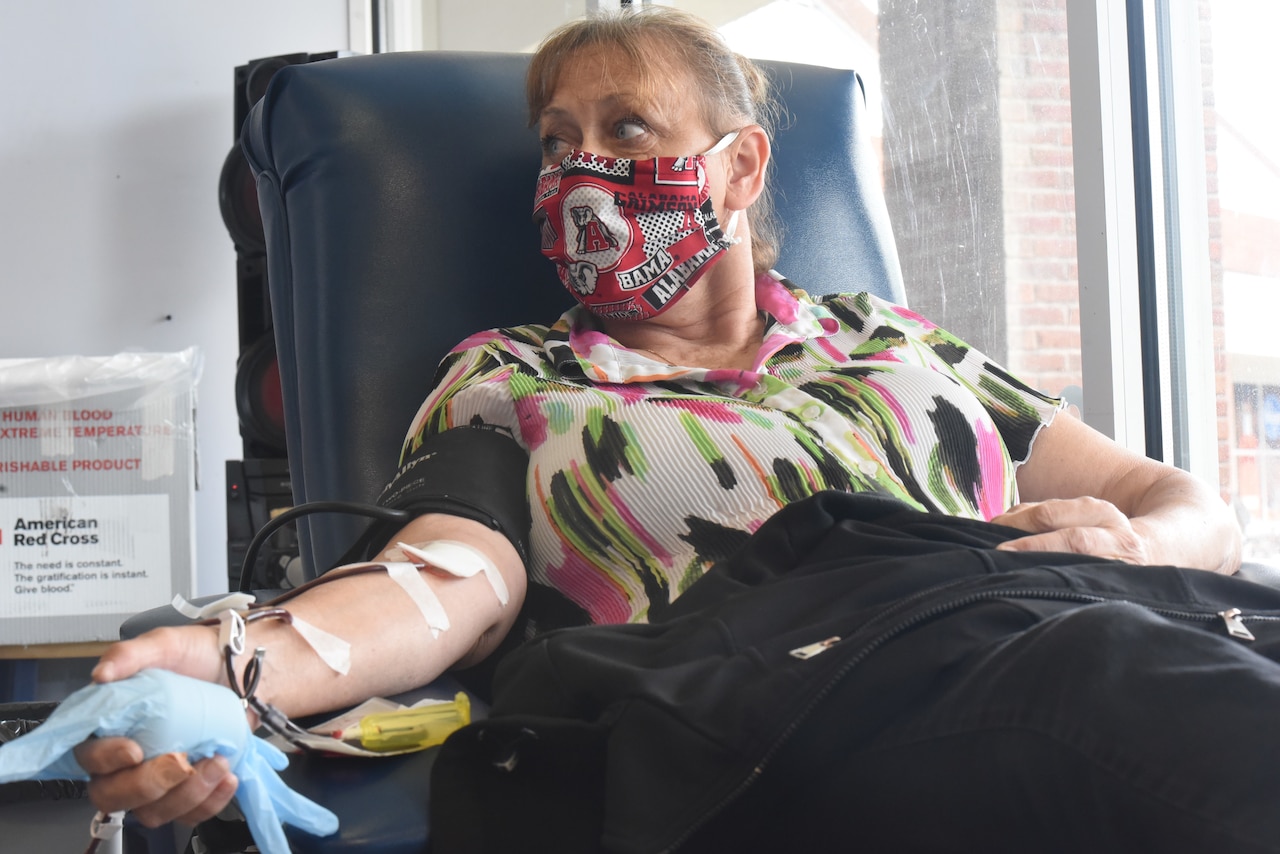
626,101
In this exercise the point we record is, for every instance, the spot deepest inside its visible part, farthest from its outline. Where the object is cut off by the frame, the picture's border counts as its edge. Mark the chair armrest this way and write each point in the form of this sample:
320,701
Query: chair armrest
1260,573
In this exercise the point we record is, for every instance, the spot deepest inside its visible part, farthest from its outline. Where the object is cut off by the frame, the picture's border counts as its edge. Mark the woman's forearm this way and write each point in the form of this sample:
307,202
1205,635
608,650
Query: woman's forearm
392,648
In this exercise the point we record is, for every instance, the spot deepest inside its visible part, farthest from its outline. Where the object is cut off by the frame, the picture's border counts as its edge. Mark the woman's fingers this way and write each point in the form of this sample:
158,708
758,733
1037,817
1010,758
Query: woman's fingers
200,796
1097,542
166,788
1079,525
1039,517
107,755
138,785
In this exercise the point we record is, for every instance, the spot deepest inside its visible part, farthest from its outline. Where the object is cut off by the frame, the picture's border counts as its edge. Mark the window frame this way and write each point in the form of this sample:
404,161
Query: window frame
1102,131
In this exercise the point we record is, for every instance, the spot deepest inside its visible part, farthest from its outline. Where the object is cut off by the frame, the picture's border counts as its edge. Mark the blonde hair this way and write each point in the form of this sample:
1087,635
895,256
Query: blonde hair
732,90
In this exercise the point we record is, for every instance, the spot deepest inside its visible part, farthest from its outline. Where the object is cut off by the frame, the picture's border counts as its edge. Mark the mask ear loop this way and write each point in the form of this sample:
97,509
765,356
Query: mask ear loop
725,142
730,227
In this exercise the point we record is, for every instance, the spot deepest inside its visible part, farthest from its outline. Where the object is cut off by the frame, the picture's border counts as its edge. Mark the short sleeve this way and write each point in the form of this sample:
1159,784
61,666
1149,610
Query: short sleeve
1017,410
473,384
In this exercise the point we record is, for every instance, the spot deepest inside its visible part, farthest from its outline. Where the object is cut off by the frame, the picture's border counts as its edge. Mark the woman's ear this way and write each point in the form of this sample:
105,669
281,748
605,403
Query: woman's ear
748,157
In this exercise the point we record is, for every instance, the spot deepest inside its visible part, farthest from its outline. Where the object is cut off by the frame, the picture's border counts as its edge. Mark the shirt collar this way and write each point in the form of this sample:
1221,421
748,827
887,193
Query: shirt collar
578,345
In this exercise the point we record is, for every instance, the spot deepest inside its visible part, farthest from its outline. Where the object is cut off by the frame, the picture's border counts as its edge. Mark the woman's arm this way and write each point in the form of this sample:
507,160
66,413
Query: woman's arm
1082,492
392,650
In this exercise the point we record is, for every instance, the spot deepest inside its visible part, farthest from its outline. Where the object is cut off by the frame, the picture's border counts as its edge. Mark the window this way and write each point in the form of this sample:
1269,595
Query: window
1233,140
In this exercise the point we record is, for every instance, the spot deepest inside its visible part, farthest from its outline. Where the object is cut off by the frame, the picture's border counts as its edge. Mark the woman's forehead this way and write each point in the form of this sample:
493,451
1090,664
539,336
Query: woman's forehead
598,74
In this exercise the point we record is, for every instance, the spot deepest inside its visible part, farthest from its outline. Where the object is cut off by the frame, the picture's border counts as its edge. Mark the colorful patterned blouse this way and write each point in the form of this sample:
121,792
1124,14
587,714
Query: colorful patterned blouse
641,474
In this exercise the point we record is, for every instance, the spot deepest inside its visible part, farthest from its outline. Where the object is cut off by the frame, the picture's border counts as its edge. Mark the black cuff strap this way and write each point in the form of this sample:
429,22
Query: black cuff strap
475,472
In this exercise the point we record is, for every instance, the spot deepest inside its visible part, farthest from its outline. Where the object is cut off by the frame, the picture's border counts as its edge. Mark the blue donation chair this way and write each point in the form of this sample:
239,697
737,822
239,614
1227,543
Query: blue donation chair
396,194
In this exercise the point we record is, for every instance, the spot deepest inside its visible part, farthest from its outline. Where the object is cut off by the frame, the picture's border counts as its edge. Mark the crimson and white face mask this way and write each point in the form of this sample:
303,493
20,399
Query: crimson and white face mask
629,237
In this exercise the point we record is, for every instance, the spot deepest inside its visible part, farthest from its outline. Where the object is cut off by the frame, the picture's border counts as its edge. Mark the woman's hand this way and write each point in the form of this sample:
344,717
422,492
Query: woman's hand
189,650
1141,511
1088,526
165,788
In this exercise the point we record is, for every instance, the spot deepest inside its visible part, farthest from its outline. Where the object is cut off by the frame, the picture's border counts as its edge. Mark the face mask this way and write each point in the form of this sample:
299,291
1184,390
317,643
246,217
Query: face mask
630,237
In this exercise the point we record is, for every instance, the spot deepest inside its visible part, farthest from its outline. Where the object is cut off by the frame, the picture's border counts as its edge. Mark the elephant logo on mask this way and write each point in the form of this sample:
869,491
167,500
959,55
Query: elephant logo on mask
581,276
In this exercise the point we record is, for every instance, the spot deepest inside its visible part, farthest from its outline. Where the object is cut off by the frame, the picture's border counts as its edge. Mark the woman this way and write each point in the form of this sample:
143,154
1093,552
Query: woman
661,87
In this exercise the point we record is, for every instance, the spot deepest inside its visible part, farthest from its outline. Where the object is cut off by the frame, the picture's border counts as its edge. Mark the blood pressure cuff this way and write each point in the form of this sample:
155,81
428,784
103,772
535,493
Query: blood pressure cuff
476,472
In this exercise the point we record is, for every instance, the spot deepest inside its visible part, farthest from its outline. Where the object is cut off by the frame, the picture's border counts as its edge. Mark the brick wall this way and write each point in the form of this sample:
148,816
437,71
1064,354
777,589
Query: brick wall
1223,393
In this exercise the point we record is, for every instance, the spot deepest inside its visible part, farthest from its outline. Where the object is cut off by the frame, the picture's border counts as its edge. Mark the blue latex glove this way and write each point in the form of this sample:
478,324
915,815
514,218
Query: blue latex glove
168,713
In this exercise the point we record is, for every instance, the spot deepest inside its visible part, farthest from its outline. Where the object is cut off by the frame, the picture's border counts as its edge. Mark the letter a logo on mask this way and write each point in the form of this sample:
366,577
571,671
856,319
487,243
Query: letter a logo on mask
593,235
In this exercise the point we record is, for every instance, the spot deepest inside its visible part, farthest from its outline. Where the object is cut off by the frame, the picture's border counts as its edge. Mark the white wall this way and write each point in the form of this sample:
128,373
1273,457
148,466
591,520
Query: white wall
516,26
500,26
115,118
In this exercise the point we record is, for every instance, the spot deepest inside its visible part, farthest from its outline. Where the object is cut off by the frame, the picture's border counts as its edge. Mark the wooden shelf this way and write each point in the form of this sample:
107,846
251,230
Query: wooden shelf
83,649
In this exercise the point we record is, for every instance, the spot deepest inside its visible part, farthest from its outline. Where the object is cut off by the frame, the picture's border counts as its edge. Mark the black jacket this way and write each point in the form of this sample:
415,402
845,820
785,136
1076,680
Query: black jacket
843,614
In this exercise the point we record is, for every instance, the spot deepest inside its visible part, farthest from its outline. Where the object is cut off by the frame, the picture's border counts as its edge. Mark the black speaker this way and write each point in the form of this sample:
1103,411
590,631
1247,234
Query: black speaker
258,490
258,400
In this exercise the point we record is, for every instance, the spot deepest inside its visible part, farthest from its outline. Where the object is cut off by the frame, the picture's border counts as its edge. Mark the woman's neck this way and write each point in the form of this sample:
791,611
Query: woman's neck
716,325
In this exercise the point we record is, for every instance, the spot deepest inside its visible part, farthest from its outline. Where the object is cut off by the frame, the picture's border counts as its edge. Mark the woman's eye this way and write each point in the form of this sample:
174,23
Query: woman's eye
630,129
553,146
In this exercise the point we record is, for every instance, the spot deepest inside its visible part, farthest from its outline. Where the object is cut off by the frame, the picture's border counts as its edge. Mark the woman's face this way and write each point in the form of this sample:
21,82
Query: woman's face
598,107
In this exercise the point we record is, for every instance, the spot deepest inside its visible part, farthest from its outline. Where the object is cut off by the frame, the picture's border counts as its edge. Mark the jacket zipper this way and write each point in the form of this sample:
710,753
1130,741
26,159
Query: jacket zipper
1232,618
